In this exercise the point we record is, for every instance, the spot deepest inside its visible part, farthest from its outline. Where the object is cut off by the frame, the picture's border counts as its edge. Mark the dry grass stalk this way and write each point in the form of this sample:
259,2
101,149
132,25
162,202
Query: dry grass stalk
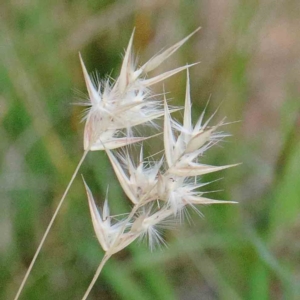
159,190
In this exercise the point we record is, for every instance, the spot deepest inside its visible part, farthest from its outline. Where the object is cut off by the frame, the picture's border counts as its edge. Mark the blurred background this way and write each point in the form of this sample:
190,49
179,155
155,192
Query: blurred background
250,64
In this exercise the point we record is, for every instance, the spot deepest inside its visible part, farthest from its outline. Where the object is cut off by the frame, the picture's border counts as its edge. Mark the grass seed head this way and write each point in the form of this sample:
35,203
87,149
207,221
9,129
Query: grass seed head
160,190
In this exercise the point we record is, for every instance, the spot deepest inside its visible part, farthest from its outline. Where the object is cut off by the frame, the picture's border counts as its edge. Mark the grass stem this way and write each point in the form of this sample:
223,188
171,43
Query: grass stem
103,261
49,226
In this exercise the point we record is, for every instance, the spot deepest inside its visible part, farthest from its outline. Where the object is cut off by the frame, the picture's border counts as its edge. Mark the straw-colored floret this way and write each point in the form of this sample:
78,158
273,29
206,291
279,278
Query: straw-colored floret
124,103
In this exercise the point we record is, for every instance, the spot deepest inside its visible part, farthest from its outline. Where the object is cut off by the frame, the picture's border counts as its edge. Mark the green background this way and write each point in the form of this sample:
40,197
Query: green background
250,63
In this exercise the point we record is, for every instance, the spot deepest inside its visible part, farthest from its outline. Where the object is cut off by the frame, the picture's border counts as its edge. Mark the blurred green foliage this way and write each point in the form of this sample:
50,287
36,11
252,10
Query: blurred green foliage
249,53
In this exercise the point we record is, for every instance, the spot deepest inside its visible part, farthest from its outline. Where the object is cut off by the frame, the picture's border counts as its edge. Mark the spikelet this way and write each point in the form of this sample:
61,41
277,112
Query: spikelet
124,103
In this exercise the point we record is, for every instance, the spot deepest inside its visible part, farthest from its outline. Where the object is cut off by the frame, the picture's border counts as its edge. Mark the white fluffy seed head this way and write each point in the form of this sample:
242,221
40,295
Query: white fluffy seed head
159,190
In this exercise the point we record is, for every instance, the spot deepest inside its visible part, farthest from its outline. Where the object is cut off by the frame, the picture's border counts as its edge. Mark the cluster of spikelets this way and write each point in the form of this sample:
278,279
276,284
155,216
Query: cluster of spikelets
159,190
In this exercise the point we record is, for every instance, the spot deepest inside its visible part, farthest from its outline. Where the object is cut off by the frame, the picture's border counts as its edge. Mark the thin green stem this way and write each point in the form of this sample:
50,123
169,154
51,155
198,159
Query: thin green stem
103,261
49,226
